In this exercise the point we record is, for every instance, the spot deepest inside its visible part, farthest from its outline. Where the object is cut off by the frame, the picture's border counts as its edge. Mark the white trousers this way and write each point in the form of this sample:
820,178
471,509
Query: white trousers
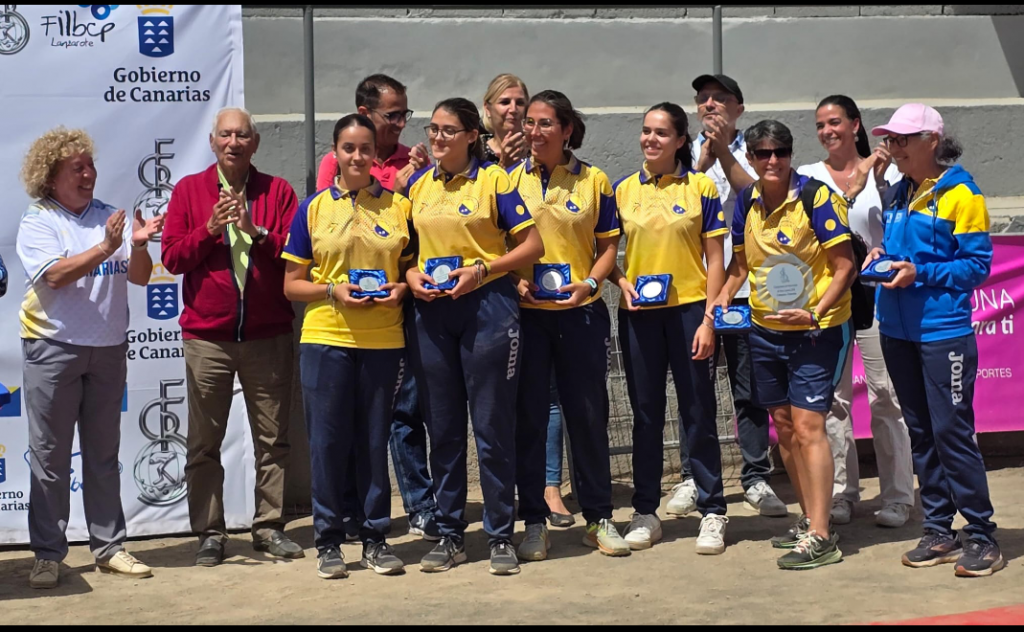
888,430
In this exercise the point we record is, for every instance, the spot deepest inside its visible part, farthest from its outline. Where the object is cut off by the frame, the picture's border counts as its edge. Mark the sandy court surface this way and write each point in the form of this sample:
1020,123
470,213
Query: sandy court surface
669,583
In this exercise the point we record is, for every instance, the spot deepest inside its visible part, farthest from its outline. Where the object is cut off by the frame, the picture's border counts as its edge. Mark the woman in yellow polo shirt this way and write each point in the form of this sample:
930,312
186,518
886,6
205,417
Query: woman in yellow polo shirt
350,238
565,322
465,342
800,266
672,218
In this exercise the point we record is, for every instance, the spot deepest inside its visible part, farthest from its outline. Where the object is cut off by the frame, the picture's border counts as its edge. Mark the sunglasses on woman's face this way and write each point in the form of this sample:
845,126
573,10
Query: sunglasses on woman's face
766,154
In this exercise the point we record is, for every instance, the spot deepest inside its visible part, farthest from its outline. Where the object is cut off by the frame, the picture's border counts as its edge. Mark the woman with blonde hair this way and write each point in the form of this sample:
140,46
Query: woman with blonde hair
504,109
74,322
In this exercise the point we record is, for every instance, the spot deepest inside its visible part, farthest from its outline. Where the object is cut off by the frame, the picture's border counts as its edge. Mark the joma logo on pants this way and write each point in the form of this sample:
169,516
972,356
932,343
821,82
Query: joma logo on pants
956,373
513,353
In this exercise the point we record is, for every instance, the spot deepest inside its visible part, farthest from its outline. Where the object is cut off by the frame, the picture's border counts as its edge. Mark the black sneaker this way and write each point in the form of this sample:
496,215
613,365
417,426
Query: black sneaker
424,525
330,564
445,555
351,527
980,559
934,548
379,557
812,551
792,536
503,558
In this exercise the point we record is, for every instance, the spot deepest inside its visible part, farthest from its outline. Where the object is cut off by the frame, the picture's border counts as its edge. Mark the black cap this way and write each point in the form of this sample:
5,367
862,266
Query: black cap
728,83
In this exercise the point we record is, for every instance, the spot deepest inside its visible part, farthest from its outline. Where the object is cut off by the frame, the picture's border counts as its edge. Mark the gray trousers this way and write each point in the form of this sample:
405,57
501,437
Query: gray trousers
65,383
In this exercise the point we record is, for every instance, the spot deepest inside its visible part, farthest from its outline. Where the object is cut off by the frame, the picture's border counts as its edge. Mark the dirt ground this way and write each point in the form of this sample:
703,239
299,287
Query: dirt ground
666,584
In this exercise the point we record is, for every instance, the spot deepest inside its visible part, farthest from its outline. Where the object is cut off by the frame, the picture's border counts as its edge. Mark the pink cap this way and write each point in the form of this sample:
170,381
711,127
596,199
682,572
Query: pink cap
911,118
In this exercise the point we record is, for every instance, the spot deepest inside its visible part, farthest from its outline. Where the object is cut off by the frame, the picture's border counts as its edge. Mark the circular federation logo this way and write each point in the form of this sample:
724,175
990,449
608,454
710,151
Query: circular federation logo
14,31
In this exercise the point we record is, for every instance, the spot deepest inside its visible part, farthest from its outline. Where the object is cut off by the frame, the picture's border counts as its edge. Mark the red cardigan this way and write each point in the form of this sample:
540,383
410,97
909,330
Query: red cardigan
214,307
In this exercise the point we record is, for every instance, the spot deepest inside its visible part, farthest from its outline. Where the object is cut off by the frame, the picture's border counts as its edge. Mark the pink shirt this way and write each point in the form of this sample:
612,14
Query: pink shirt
383,171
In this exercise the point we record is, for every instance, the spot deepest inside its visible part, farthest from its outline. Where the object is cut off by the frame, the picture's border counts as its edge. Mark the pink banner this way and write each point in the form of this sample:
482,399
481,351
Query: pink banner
1000,347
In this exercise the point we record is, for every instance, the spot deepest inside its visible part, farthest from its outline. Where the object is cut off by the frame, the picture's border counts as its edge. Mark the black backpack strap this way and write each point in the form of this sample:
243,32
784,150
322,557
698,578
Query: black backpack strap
808,195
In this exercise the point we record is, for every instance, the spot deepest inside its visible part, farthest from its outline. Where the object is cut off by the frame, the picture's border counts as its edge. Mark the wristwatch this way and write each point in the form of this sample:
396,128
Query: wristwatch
592,282
261,234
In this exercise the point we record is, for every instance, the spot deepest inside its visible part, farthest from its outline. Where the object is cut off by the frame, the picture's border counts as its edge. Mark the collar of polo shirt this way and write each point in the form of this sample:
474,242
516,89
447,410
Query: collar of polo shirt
573,166
375,189
646,175
469,172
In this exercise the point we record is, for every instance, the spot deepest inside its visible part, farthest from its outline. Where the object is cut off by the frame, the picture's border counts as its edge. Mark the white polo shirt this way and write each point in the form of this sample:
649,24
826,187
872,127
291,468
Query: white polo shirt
92,311
738,149
865,216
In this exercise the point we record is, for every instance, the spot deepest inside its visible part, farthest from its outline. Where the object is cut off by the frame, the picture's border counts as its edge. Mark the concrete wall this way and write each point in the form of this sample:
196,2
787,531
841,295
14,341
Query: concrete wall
615,62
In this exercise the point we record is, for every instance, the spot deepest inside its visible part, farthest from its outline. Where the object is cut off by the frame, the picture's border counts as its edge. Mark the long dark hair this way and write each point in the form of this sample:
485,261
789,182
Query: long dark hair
852,113
683,154
565,113
469,117
354,120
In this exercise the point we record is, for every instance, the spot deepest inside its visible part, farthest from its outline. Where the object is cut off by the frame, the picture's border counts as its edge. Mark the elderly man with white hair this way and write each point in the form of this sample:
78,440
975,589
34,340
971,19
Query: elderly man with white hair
224,231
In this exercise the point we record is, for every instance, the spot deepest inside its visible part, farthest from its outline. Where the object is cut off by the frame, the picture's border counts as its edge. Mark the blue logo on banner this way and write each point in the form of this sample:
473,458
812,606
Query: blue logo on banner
162,300
13,408
3,463
156,35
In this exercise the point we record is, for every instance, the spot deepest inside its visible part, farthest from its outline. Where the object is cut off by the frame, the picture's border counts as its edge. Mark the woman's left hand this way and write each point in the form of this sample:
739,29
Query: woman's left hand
580,293
703,343
466,283
395,298
791,317
906,274
143,230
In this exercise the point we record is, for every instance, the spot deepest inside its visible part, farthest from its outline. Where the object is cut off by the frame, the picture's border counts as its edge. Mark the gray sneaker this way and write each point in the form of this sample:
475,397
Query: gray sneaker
842,511
503,559
45,574
445,555
330,564
535,545
762,499
792,536
379,557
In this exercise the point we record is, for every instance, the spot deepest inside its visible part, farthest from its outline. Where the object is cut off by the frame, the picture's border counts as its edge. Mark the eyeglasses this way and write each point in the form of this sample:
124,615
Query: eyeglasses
546,125
901,140
446,133
718,97
766,154
395,117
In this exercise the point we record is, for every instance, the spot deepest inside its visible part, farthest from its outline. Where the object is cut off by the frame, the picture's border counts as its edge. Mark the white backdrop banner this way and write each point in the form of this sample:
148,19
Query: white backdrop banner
145,81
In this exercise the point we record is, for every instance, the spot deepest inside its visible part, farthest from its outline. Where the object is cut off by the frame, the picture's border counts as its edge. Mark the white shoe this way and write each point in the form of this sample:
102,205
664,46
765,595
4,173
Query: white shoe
643,531
842,511
124,564
684,499
893,515
711,540
762,499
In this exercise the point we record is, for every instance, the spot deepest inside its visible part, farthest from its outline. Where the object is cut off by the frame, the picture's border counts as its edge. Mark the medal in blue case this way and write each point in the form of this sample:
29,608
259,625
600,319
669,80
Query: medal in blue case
653,289
439,269
734,321
369,282
880,270
548,277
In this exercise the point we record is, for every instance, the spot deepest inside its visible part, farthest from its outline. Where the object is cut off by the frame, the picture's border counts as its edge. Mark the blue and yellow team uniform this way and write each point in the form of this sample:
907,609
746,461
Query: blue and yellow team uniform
351,358
466,351
466,214
786,235
573,206
789,366
665,219
929,345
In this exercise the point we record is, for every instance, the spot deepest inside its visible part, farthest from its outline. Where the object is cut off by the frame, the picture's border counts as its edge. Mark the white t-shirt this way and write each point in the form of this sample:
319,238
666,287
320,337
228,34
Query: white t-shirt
92,311
865,216
738,149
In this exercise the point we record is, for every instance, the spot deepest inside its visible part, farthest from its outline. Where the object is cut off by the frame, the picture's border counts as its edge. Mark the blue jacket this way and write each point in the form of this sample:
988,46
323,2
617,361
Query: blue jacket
944,233
3,277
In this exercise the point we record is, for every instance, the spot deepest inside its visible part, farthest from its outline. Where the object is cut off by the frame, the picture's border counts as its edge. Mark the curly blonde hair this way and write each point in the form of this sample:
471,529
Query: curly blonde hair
46,153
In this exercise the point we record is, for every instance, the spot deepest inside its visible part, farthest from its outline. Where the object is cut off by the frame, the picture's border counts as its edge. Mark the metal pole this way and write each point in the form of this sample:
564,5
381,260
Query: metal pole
716,30
307,38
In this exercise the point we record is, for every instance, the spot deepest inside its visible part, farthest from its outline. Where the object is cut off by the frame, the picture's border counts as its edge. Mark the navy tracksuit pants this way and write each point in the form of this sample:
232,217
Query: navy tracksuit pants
348,396
652,342
934,382
577,343
468,350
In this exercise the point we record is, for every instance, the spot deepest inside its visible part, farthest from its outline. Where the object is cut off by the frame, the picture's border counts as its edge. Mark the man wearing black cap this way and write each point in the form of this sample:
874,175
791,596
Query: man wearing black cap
719,151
